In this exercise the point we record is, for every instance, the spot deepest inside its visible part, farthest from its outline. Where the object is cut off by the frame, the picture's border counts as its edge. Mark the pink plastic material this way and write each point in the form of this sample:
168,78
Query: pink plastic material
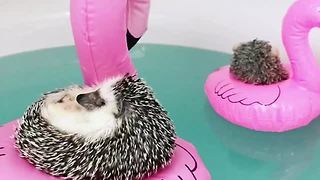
138,14
279,107
99,29
186,163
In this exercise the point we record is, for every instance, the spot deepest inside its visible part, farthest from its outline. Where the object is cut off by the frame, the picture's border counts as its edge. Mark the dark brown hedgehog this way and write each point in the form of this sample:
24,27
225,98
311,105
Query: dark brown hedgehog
256,62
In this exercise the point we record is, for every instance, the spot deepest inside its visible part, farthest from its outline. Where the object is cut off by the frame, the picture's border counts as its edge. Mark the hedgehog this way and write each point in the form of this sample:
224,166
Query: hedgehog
114,131
257,62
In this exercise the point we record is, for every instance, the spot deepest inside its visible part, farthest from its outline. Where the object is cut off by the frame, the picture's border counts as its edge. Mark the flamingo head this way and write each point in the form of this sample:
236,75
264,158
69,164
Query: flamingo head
305,12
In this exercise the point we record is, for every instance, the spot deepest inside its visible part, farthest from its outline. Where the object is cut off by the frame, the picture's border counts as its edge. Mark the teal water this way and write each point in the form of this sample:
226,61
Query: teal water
177,75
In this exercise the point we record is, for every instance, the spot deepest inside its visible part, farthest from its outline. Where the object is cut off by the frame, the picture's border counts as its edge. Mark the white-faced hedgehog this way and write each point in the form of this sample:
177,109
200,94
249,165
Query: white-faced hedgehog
256,62
116,131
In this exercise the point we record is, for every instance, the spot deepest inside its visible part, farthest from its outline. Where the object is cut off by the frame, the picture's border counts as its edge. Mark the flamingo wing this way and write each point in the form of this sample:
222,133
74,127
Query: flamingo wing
246,94
221,84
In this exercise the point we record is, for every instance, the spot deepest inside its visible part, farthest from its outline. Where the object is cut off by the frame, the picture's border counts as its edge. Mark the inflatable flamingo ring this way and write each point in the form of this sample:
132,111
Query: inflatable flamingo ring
282,106
100,31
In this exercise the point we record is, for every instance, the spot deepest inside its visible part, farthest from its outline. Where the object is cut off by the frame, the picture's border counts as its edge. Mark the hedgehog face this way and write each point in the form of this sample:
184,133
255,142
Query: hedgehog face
83,111
117,130
309,12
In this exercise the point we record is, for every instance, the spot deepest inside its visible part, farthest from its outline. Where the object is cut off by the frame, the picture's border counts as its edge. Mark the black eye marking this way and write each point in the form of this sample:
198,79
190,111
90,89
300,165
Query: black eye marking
62,99
2,154
1,147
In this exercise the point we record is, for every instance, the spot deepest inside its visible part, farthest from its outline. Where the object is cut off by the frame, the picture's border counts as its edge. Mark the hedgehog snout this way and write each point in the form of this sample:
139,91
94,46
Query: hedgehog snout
91,100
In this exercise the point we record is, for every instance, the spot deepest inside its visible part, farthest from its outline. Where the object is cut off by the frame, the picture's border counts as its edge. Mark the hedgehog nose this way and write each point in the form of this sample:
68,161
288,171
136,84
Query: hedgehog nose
90,100
81,98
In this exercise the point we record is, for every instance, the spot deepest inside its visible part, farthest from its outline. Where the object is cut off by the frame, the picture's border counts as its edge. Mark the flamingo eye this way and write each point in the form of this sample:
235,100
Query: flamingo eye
1,154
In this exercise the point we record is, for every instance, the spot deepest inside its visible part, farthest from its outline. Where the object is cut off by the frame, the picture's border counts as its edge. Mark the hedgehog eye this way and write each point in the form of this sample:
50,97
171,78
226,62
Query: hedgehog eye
61,100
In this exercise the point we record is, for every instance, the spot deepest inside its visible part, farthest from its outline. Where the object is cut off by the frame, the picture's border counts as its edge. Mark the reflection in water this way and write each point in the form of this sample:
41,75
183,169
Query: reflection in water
293,151
139,52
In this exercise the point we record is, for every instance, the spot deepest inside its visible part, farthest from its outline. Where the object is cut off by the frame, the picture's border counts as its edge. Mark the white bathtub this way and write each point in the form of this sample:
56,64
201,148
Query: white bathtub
208,24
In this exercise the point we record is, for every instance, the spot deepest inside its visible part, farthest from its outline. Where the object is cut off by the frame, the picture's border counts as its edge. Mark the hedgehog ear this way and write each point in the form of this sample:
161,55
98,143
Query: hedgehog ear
236,46
121,108
275,51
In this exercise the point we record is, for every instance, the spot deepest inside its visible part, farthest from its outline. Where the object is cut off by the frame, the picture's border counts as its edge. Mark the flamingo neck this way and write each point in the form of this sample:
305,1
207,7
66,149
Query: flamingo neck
295,36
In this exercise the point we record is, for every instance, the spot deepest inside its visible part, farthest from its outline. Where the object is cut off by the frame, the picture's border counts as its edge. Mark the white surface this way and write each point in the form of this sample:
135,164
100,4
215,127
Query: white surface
209,24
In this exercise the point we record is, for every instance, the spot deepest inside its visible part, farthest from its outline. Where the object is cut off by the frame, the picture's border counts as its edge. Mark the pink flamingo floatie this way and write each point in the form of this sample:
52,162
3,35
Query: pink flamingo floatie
282,106
103,35
186,163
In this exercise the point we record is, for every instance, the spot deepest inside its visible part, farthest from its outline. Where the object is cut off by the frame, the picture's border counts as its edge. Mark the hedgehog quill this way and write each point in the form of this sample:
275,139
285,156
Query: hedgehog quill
115,131
257,62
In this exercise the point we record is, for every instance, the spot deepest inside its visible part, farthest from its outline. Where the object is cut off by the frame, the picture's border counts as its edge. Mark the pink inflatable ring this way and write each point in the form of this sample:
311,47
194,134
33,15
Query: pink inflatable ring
186,164
283,106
